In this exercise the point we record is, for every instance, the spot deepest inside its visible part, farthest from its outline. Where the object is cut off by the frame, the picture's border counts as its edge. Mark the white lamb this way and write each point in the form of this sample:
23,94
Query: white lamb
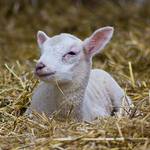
68,84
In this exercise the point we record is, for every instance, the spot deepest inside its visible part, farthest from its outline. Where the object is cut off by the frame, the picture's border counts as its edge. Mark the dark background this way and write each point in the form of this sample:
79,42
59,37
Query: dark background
21,19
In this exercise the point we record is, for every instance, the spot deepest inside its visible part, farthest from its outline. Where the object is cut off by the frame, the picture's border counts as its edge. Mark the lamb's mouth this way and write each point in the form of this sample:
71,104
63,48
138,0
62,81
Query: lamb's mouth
41,75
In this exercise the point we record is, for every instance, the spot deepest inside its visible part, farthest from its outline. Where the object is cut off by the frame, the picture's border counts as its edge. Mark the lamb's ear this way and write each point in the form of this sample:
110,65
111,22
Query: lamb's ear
97,41
41,38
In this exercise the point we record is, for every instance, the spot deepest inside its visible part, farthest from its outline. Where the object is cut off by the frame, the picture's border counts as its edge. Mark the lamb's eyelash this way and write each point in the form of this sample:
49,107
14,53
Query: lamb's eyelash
72,53
75,53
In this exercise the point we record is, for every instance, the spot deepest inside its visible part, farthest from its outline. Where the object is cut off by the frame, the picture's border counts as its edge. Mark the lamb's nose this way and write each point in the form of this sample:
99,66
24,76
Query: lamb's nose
40,66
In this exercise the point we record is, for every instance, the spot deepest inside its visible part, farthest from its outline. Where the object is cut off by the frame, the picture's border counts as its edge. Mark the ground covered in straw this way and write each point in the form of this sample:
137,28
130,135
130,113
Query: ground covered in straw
127,58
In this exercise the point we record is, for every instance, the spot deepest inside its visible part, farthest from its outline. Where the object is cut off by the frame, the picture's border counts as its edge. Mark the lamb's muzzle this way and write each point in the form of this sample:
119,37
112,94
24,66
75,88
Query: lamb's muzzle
39,70
68,83
40,66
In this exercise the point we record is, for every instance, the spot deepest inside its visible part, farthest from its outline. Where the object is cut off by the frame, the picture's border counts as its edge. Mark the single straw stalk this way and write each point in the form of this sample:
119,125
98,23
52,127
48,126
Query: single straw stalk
131,74
15,75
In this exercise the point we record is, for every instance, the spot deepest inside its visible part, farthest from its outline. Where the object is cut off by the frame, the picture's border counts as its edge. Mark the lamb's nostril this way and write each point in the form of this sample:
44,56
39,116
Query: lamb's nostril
40,66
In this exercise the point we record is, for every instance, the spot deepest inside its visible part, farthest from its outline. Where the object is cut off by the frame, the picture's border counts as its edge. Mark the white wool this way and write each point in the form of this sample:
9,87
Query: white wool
102,96
91,93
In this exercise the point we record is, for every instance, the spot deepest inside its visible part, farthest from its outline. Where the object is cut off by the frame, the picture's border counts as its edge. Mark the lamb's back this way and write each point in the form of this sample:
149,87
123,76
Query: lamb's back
101,96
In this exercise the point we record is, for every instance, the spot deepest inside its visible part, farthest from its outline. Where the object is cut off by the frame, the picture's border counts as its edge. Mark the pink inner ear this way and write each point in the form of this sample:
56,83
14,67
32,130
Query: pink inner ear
98,40
41,38
91,46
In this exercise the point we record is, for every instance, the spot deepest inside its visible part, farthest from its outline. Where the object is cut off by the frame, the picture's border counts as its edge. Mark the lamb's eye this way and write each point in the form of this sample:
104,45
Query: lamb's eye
71,53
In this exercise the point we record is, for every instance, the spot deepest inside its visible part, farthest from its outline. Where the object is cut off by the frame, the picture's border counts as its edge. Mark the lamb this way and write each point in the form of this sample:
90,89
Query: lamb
68,84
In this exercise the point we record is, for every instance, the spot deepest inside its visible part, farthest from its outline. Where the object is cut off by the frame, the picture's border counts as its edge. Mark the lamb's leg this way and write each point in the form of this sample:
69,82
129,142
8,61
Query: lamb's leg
121,102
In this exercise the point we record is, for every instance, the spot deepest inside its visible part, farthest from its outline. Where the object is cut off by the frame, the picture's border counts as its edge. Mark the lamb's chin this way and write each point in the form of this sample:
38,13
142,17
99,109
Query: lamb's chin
55,79
48,78
63,79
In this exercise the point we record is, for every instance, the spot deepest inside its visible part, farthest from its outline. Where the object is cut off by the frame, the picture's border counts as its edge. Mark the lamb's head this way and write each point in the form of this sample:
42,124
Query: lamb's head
64,56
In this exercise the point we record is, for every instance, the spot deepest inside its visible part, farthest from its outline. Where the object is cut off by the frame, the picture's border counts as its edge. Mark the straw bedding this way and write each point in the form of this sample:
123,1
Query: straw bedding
127,58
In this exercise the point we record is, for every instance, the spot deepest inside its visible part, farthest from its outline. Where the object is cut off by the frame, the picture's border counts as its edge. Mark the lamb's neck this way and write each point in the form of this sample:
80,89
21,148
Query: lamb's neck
69,98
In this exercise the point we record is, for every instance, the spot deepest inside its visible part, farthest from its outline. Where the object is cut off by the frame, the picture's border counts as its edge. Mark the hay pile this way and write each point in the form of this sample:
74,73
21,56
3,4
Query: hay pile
127,58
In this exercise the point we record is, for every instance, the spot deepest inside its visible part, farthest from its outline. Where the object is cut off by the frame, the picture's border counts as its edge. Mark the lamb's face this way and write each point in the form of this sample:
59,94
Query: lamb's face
61,56
64,57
